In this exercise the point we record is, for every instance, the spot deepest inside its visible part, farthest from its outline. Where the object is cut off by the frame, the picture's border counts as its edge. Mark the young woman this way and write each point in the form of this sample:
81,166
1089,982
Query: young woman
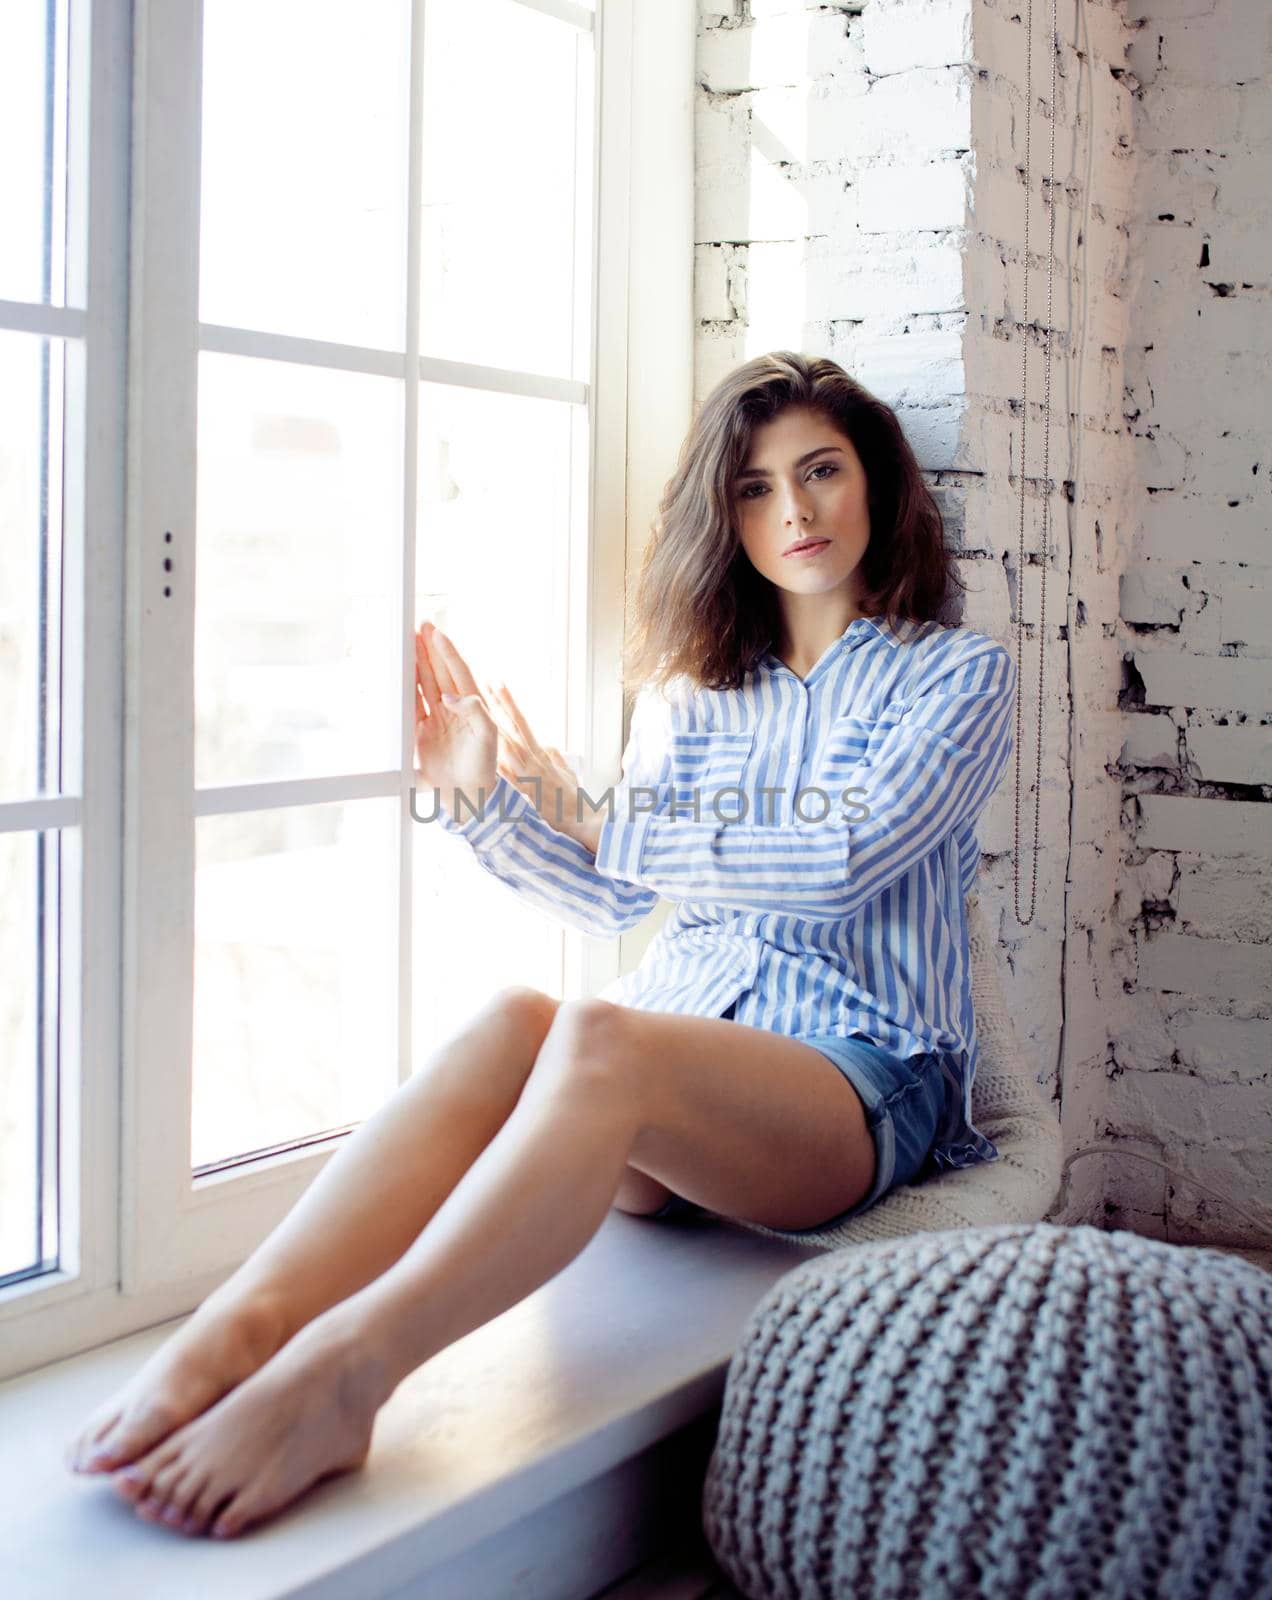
810,749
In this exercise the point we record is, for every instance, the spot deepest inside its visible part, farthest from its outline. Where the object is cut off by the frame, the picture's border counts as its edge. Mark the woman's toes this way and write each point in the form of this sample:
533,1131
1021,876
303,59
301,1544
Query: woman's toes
170,1468
177,1516
131,1485
124,1444
210,1355
186,1502
165,1508
120,1441
231,1521
211,1497
86,1454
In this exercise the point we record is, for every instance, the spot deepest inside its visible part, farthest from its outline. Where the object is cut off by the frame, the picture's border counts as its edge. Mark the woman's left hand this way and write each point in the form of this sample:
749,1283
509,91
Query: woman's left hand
541,772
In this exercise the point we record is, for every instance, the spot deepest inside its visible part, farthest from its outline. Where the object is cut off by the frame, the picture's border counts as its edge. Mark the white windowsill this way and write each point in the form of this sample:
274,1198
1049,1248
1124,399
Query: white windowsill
626,1346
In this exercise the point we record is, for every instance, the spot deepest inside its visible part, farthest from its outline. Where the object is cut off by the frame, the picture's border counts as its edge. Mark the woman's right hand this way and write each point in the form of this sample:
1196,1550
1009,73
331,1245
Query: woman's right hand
456,745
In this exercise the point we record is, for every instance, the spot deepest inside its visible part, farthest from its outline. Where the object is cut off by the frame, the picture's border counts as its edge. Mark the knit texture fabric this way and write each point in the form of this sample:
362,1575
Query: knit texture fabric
1039,1412
1022,1185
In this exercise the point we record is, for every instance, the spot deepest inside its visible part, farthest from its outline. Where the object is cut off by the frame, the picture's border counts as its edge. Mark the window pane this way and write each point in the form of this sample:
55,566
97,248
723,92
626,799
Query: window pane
31,411
471,936
33,146
296,973
298,665
495,502
20,1063
501,283
304,168
494,498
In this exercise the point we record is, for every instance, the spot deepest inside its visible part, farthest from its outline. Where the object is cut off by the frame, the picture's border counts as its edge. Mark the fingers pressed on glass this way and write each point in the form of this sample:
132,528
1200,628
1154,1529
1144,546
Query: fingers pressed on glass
428,678
455,665
518,721
431,660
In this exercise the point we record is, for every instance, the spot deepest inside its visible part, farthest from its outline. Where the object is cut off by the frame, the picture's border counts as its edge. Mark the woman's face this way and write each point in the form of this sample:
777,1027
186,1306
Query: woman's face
802,480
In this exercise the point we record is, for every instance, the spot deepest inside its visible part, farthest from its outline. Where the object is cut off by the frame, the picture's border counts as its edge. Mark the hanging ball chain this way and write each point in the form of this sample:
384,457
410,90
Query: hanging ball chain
1046,450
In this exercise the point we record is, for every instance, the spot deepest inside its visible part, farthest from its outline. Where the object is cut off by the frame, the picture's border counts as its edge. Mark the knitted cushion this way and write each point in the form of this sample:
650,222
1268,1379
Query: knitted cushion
1022,1185
1034,1411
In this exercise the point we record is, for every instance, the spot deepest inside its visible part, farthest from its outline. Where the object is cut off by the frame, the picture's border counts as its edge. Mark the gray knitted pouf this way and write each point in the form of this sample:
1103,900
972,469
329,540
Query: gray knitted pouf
1028,1411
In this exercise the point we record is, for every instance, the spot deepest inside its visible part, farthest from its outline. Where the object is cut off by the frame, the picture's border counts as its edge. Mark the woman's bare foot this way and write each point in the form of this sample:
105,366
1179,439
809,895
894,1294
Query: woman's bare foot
307,1414
222,1344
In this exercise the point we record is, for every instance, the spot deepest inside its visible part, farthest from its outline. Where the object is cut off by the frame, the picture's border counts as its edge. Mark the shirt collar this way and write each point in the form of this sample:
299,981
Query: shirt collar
898,633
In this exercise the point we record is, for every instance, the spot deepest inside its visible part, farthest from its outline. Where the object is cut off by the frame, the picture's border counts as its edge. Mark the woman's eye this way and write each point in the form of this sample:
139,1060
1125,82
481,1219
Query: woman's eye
826,466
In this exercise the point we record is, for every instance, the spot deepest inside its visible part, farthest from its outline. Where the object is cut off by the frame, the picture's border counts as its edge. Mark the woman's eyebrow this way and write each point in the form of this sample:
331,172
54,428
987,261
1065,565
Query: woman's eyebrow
763,472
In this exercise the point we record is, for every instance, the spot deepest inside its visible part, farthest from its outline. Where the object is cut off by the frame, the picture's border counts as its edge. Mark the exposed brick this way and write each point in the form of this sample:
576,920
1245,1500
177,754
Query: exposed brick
1204,826
1220,901
1205,1212
900,35
1224,1048
1151,740
1152,593
1231,755
1222,969
862,176
897,198
1182,1108
1245,619
1221,683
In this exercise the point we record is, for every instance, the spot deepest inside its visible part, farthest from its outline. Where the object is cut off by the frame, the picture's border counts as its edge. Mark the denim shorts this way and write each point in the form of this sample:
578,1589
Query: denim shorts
904,1102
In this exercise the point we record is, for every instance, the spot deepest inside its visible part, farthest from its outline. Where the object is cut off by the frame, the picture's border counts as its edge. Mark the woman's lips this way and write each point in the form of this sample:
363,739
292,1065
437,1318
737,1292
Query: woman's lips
809,549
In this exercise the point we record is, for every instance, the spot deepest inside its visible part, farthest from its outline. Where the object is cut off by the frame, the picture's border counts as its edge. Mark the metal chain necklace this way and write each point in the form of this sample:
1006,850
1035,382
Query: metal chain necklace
1046,450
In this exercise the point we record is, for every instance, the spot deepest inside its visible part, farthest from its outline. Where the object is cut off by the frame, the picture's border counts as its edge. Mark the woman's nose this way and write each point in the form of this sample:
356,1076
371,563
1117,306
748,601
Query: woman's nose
795,508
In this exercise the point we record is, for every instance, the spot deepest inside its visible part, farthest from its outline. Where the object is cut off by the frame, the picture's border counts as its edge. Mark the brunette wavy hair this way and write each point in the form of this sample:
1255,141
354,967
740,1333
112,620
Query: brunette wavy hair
701,609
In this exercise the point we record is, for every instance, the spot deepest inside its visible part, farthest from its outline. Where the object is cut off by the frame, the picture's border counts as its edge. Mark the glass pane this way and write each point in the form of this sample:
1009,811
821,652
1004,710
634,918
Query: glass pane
19,1065
295,973
31,411
298,660
471,936
505,270
304,168
33,142
494,497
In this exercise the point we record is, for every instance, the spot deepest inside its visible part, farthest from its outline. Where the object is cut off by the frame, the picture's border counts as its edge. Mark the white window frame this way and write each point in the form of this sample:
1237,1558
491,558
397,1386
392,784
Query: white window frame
153,1243
81,1159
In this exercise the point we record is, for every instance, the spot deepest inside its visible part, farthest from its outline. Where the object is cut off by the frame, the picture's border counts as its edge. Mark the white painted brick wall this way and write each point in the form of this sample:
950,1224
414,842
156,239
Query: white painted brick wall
894,198
900,36
1209,827
1231,755
1200,343
860,194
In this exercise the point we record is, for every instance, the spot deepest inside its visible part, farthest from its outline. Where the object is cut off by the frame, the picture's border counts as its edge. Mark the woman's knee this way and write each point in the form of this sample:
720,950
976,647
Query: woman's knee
494,1051
521,1003
590,1048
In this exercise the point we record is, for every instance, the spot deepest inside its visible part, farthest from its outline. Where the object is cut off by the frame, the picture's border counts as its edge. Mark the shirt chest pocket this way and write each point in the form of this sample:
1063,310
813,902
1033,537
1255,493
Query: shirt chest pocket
704,764
853,742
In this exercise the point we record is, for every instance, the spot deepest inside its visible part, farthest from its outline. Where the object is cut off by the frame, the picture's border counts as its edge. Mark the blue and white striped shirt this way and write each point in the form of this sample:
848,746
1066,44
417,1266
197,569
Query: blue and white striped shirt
817,911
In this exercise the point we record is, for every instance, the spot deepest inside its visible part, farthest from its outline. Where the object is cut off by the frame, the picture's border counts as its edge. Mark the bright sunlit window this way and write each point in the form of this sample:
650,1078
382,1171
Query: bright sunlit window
40,346
324,276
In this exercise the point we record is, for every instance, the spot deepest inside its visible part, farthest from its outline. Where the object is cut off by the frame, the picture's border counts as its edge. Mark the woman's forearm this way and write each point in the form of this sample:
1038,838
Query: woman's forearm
586,832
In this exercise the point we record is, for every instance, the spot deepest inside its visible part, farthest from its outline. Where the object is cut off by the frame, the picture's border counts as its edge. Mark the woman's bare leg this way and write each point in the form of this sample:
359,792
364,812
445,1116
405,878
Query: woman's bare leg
364,1208
741,1120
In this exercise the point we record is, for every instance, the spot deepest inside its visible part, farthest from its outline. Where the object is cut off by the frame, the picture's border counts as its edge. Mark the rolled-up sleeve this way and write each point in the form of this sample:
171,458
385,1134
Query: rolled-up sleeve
935,768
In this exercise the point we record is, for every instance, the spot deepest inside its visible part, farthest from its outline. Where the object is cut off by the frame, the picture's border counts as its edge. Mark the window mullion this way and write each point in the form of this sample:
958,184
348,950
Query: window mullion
159,822
410,509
